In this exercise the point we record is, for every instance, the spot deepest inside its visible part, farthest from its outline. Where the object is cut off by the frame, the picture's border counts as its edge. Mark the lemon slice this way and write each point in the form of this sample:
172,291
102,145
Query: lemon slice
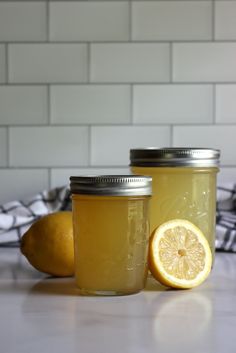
179,254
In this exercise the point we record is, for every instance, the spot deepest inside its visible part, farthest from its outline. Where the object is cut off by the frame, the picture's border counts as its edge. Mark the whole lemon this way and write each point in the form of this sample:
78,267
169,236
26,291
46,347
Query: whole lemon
48,244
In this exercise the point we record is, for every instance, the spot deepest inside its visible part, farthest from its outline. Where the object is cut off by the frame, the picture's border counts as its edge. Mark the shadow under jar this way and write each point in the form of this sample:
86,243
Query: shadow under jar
111,233
184,185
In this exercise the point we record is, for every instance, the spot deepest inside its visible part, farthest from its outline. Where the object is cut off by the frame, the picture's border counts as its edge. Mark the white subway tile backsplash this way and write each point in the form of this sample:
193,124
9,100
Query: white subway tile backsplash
23,105
89,21
3,147
225,20
225,104
222,137
111,145
173,104
81,82
2,64
19,184
60,177
172,20
204,62
47,63
130,62
48,146
87,104
23,21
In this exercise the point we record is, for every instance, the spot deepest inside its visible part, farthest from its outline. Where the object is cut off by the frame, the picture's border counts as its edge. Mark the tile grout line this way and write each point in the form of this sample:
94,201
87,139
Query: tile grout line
66,167
213,20
123,83
171,135
89,145
8,146
171,62
88,63
130,20
49,118
113,125
214,104
132,104
6,64
121,42
48,21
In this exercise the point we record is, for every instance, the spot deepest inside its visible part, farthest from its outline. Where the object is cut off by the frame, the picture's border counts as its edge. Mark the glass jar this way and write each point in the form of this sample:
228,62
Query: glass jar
111,233
184,185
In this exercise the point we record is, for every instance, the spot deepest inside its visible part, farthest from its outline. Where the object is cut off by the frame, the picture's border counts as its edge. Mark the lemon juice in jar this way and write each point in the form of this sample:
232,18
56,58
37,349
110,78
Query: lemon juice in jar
184,185
111,233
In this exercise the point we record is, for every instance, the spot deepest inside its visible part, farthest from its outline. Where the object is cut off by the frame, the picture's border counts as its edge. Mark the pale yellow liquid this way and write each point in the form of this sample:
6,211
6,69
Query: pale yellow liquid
187,193
111,242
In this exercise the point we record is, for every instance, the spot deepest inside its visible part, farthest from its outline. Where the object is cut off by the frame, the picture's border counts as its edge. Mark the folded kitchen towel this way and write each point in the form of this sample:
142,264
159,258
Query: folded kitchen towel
17,216
226,218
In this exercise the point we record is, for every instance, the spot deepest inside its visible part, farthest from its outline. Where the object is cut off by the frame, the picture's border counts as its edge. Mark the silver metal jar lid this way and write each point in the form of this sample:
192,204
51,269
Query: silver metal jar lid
174,157
116,185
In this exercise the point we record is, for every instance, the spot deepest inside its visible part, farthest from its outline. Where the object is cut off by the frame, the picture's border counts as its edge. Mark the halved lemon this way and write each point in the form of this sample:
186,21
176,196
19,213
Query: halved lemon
179,254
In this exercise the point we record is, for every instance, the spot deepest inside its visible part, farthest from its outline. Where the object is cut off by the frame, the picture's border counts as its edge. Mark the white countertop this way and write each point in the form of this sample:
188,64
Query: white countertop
40,314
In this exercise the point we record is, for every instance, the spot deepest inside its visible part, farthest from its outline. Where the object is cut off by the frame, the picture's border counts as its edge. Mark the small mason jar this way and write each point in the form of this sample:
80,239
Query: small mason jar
111,233
184,185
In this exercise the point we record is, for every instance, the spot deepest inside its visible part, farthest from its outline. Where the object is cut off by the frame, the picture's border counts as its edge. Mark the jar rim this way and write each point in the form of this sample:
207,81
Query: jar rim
175,157
113,185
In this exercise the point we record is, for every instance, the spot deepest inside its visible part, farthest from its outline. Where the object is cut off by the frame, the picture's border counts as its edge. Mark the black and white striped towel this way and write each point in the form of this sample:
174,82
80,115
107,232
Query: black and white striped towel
226,218
17,216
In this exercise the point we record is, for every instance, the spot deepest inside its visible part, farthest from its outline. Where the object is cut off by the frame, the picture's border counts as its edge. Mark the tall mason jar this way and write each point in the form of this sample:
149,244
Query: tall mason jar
184,185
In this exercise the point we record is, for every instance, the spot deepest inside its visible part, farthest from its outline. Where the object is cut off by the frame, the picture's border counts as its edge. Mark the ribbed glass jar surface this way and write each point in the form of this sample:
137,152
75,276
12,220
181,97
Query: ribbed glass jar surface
183,183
